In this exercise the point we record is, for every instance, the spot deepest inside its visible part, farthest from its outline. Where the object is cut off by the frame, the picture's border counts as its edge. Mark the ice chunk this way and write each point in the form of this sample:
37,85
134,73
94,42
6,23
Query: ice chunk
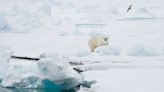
161,50
57,68
21,74
108,50
142,50
52,69
5,54
4,26
94,88
82,53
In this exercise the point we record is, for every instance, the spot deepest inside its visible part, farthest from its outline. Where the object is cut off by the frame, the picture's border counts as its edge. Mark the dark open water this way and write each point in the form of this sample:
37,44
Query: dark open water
30,90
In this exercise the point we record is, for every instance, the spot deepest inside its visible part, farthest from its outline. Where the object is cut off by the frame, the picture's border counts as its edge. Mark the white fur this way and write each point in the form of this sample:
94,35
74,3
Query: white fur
97,41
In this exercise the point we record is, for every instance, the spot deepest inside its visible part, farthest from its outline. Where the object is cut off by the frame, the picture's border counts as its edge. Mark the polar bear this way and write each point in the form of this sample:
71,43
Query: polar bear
97,41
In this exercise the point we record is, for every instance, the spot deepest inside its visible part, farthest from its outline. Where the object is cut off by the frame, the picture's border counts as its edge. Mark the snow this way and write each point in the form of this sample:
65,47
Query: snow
132,62
29,15
127,79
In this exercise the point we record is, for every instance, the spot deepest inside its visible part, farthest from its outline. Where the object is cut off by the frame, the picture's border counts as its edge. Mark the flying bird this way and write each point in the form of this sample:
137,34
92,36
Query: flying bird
130,7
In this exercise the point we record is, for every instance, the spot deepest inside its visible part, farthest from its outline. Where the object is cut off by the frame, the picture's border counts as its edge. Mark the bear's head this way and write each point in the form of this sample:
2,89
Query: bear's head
105,40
